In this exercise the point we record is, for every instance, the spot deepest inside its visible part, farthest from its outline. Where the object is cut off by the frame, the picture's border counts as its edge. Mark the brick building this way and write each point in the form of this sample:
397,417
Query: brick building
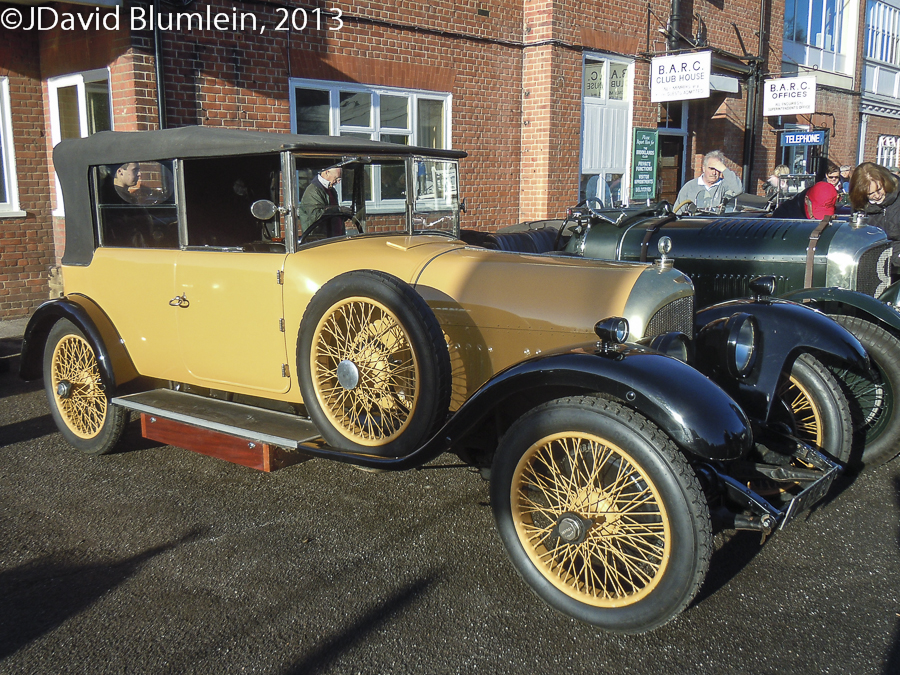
544,95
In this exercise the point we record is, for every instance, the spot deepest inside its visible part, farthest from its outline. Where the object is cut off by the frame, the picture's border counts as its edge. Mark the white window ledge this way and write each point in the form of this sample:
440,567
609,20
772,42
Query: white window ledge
13,214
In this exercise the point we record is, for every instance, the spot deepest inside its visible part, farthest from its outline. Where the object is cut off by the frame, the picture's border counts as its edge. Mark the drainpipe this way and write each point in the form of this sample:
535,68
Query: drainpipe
158,67
674,24
753,89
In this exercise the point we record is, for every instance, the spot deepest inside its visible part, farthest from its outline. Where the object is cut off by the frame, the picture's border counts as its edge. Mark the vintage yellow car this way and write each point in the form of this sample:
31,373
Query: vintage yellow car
225,282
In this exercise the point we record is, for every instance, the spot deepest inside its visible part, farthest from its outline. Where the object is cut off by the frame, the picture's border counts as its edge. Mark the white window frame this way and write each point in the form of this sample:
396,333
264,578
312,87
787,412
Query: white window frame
888,151
9,208
835,59
79,80
374,129
626,104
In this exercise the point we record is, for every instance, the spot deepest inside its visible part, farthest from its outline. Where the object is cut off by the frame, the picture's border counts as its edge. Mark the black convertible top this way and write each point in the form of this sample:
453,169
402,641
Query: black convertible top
72,159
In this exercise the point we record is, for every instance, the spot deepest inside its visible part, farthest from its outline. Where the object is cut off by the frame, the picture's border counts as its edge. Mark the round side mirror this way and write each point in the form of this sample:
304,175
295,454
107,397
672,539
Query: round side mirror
263,209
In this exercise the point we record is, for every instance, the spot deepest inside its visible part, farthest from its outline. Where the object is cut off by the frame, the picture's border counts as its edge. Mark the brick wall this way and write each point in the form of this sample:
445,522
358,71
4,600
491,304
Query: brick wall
877,126
26,243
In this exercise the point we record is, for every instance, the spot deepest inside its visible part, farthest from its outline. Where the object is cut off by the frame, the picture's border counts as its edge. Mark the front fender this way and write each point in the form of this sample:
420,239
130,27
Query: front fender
695,413
786,330
880,310
113,361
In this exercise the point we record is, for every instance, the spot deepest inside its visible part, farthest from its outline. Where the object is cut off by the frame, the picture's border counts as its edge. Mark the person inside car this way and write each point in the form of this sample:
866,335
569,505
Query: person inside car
318,196
715,185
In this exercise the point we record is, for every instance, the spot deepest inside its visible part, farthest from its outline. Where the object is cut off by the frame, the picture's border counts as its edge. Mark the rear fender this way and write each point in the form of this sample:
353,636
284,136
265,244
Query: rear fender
701,418
881,310
115,364
786,330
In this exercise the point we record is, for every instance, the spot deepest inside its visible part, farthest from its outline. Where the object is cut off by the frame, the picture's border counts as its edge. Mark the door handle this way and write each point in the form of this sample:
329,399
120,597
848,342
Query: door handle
179,301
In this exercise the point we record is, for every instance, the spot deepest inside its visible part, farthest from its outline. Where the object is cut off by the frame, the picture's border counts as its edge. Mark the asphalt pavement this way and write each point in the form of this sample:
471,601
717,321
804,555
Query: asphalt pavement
159,560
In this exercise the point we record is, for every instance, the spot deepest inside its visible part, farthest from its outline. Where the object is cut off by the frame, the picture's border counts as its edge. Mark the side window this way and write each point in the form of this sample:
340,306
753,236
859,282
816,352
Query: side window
218,195
135,204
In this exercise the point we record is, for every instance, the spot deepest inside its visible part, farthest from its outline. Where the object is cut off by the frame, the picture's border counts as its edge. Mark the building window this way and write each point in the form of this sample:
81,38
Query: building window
404,116
887,151
9,193
816,23
79,106
606,98
882,32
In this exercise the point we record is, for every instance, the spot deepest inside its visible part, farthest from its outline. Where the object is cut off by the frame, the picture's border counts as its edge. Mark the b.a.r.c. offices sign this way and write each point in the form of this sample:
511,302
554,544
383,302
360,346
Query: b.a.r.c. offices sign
789,96
680,77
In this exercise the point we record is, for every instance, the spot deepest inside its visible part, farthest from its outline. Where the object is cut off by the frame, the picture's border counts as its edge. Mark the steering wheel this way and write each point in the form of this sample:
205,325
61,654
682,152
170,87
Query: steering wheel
340,212
680,205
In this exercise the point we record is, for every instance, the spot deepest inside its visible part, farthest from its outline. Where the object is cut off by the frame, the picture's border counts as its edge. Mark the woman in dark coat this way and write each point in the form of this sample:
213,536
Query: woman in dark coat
874,191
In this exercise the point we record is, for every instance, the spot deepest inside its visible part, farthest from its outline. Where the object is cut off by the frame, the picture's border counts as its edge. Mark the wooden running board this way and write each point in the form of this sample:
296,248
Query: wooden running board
261,439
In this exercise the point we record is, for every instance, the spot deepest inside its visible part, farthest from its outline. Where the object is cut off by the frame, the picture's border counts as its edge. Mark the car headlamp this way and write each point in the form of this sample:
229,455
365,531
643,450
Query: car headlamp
677,345
613,330
742,344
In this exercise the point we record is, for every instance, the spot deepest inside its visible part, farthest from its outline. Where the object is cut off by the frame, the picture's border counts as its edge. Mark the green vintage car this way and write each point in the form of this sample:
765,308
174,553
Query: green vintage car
839,266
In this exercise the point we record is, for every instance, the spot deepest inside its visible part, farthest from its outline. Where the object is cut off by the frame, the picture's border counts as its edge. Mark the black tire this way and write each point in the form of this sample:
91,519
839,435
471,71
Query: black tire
642,548
873,399
392,390
812,404
78,402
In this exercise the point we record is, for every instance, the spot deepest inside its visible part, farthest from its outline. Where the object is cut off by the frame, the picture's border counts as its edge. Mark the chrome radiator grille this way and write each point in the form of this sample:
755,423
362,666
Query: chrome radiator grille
873,274
678,315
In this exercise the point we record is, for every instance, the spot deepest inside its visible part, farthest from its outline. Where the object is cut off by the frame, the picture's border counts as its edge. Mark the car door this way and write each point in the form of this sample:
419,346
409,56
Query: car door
228,278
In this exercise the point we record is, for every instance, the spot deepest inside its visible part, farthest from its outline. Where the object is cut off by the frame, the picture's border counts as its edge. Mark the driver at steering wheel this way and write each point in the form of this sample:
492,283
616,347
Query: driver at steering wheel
319,195
715,185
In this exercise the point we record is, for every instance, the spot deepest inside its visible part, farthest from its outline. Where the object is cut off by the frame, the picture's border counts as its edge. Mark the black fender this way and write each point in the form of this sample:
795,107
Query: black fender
693,411
786,330
115,364
880,310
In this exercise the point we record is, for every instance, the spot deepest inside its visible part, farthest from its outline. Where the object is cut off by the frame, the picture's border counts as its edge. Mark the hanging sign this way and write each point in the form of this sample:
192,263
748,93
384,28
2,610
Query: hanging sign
803,138
789,96
643,164
681,77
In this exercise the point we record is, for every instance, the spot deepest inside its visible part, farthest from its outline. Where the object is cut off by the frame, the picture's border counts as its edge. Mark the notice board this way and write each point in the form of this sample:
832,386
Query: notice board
644,152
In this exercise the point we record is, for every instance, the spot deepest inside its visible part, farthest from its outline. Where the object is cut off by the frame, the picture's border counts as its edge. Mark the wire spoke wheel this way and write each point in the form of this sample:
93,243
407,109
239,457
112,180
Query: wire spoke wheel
373,366
806,418
77,388
601,514
366,376
591,519
77,392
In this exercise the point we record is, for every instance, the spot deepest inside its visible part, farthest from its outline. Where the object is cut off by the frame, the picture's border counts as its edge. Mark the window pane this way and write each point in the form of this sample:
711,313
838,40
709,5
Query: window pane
136,205
69,122
97,95
313,108
393,181
431,124
356,109
801,21
395,112
593,79
816,25
402,139
618,79
3,196
789,10
356,134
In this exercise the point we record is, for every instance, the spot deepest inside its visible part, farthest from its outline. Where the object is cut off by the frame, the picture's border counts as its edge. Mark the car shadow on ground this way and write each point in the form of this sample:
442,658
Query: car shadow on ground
26,430
734,551
40,595
322,659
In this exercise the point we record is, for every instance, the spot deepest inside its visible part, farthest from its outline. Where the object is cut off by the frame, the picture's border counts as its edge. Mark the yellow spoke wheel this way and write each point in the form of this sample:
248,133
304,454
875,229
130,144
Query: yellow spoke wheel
365,373
373,365
77,388
79,401
601,514
591,519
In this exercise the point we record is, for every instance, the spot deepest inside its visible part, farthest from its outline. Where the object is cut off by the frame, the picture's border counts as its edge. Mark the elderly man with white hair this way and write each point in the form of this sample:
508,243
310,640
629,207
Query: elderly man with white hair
715,185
